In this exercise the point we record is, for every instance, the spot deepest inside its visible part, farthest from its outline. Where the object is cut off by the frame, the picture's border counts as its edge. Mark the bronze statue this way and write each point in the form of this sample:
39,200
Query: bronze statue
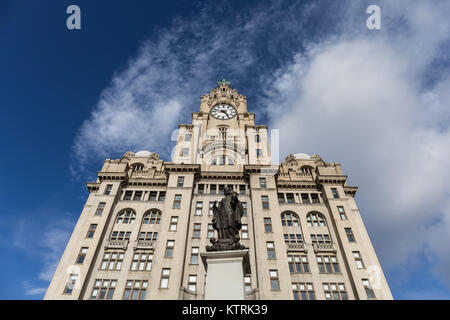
227,221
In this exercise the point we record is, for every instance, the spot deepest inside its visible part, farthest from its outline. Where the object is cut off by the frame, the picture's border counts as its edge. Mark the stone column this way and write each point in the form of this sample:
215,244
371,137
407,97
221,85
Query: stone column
225,271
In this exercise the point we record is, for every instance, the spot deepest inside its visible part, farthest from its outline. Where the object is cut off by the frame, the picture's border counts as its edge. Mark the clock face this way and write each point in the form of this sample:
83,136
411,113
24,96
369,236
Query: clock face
223,112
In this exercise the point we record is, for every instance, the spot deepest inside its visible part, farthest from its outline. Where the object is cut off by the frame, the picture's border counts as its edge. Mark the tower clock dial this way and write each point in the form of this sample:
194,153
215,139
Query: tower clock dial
223,111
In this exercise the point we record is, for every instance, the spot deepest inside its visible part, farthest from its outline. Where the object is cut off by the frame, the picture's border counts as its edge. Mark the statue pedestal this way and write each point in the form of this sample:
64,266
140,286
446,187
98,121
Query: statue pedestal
225,272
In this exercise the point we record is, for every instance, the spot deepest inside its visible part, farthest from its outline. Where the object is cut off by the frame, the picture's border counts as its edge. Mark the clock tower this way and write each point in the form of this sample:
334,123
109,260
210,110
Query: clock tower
223,134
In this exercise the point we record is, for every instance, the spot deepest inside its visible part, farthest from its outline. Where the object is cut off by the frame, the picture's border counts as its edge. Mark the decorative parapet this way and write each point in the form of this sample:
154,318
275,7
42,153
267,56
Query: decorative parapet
144,245
116,244
296,246
324,247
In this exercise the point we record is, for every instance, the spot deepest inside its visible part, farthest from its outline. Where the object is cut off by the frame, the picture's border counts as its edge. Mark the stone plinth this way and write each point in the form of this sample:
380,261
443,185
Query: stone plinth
225,274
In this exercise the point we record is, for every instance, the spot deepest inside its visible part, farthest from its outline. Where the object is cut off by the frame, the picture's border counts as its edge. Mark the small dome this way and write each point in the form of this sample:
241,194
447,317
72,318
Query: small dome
301,156
143,154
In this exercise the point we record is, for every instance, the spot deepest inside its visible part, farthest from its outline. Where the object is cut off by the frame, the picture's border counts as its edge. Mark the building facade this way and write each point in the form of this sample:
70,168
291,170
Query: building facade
146,221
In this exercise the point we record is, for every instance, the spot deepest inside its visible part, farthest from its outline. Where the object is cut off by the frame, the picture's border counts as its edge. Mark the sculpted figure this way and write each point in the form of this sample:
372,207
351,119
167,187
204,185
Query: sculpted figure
227,216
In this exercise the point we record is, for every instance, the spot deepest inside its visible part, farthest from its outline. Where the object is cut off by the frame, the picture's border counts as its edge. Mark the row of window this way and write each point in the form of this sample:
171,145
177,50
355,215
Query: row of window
289,197
332,291
207,188
137,289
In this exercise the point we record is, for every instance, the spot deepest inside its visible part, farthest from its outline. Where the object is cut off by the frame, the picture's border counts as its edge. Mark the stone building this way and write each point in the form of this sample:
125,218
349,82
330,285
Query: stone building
146,221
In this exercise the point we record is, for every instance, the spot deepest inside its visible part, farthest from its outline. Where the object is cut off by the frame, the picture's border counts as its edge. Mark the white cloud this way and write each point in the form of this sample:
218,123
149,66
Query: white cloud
361,101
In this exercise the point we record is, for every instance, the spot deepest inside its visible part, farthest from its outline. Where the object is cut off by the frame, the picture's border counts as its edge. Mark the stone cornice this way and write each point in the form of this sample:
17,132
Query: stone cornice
112,176
181,167
297,185
331,179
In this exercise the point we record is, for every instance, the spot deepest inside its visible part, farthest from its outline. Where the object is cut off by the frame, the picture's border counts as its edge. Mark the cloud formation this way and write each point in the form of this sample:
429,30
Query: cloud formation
367,102
376,101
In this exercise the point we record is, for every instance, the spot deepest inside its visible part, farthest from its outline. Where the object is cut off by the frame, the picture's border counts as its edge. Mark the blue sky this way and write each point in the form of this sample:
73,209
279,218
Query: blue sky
376,101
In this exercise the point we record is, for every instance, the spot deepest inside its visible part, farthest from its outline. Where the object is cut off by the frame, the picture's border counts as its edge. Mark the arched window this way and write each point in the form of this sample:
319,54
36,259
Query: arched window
137,167
152,217
289,219
315,219
222,161
127,216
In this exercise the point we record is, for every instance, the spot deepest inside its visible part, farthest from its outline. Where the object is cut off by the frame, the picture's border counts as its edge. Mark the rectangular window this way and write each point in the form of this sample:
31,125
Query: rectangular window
281,198
358,260
350,236
121,235
335,291
135,290
169,248
320,238
185,152
188,137
247,283
197,230
293,238
70,284
198,208
91,231
192,284
257,138
194,255
81,256
128,195
290,197
274,283
211,210
303,291
342,213
267,224
142,261
213,188
165,274
328,264
244,209
173,224
315,198
112,261
262,183
153,195
103,289
270,250
298,264
138,196
265,202
201,188
180,182
221,188
148,236
242,189
162,196
100,208
305,198
177,201
108,189
210,230
259,153
244,231
369,290
335,193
